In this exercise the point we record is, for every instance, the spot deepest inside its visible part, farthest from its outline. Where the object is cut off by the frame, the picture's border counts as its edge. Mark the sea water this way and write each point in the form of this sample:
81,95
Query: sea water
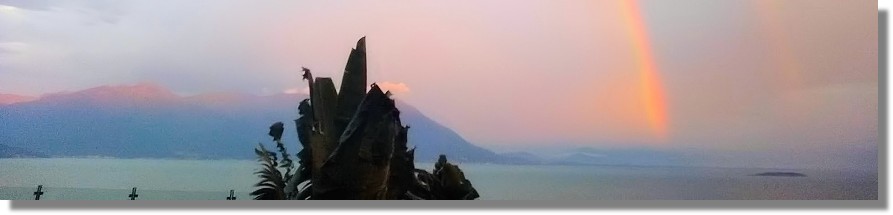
157,179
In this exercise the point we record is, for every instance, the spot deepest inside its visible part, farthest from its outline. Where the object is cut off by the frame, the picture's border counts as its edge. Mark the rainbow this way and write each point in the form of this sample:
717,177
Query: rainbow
769,15
652,92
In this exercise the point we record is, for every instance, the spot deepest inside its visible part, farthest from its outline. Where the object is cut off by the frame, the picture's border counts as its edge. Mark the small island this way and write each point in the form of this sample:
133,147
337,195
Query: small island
781,174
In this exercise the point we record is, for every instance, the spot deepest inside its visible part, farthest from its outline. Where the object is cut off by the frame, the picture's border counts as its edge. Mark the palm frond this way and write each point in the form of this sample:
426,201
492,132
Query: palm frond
272,185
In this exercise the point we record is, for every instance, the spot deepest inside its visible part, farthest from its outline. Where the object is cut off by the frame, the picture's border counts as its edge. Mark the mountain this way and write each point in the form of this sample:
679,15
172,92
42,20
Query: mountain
432,138
615,156
6,99
521,158
148,121
15,152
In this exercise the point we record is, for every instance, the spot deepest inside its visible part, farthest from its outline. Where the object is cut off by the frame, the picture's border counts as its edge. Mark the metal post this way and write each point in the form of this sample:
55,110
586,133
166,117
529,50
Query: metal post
231,195
39,192
133,194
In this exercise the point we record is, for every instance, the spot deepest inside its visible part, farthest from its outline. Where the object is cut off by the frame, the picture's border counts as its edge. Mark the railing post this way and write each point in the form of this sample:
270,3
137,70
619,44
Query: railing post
39,192
133,194
231,195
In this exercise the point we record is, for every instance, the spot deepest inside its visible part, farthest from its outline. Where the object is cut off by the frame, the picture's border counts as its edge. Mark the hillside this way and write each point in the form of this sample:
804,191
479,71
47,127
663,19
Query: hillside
149,121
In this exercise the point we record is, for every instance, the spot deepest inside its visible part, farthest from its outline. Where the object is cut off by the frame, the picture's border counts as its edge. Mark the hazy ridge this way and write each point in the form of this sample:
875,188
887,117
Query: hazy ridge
149,121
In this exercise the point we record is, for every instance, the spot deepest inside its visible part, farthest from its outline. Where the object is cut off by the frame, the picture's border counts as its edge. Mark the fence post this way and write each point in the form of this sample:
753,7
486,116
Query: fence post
231,195
39,192
133,194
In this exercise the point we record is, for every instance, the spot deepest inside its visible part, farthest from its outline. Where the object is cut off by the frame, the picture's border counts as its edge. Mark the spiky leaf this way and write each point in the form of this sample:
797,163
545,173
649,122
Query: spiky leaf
271,186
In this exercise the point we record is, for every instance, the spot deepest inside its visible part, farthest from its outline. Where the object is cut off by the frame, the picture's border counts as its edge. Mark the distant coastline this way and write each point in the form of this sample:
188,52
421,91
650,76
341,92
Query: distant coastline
781,174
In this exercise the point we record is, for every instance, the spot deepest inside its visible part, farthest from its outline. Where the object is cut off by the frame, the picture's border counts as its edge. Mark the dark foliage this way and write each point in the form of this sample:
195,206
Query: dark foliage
354,147
276,131
272,184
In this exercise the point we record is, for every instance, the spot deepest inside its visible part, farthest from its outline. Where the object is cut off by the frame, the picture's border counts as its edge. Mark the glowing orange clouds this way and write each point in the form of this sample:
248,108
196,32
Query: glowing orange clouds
396,88
652,93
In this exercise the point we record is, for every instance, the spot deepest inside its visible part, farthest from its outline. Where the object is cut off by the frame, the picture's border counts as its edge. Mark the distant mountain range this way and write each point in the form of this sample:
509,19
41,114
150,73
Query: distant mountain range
594,156
149,121
6,99
15,152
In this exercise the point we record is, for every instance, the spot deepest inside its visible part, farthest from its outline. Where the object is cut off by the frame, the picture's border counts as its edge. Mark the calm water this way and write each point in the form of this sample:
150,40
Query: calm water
112,179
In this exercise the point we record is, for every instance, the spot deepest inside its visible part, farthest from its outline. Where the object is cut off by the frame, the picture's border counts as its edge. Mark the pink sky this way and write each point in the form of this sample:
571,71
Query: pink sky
743,76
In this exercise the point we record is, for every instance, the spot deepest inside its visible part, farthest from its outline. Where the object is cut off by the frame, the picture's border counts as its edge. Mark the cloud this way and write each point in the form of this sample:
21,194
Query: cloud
13,47
398,88
297,90
8,9
30,4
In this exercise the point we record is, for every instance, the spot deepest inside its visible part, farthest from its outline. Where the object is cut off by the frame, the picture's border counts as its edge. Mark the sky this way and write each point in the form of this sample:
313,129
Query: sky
766,83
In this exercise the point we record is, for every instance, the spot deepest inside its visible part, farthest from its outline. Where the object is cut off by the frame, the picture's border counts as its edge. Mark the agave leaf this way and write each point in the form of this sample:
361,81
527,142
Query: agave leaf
354,146
425,185
358,169
353,86
305,193
304,126
451,182
292,188
402,165
324,100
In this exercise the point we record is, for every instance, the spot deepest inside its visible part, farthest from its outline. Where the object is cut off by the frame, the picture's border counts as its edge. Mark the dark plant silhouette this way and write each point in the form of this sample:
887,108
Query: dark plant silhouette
272,184
354,147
